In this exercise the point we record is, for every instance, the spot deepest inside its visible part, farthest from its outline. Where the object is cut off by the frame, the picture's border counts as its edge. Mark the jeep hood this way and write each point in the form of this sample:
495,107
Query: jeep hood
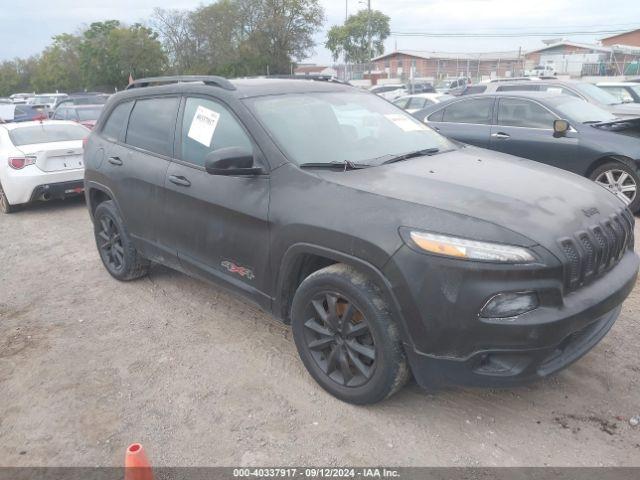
537,201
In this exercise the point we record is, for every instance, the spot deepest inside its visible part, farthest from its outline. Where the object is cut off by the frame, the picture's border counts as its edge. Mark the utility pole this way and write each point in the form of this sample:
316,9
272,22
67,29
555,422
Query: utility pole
346,10
370,34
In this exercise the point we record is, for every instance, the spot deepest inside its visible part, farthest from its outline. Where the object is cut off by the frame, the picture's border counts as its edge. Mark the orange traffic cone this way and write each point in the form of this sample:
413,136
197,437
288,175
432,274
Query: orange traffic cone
136,464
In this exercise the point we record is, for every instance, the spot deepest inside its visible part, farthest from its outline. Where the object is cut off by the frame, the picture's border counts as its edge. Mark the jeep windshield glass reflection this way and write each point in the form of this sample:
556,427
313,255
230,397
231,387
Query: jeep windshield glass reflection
353,127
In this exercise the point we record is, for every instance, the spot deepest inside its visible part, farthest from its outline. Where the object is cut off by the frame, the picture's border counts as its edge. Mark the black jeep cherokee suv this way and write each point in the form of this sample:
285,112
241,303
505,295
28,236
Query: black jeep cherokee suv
388,248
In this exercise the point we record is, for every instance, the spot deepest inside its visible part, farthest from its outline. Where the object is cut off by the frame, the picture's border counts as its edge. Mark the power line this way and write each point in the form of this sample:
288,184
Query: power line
502,35
563,27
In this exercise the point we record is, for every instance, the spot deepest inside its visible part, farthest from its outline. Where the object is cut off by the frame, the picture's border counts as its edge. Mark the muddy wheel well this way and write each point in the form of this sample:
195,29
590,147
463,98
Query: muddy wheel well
303,266
96,197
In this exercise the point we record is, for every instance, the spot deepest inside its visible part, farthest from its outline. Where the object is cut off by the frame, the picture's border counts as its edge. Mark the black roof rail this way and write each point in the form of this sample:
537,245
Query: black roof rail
206,79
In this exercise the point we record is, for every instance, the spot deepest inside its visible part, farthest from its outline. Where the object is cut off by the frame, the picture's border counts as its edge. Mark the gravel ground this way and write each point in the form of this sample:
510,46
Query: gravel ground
200,377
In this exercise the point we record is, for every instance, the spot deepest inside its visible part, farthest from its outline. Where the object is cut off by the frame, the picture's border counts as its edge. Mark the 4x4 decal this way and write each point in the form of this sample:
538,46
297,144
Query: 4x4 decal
244,272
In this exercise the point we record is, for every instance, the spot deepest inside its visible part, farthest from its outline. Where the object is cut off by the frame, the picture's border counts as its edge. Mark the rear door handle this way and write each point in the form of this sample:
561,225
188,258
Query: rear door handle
115,161
183,182
501,135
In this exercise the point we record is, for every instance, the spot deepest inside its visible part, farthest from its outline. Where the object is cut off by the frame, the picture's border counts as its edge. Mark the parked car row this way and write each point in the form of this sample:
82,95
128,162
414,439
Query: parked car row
47,103
553,128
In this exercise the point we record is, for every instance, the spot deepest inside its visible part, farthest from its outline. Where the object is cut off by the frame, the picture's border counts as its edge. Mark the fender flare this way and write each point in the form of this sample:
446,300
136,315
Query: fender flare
89,186
288,262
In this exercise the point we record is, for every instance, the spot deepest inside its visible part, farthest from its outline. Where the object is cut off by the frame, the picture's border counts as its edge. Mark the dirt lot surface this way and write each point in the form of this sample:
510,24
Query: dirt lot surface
89,365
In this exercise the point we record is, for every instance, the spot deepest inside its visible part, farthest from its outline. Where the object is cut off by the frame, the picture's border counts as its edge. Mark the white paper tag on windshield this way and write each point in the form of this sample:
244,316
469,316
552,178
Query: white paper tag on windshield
405,123
554,90
7,111
203,125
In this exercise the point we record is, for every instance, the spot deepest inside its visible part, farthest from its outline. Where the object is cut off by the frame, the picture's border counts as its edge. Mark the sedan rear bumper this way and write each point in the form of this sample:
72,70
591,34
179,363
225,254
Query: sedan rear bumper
31,183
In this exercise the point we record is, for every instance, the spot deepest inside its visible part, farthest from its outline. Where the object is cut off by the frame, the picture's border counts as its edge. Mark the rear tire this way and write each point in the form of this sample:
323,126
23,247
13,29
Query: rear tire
346,336
620,179
5,206
118,254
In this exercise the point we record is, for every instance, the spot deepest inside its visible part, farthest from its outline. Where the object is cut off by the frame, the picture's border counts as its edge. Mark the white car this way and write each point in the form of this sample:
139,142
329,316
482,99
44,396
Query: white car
389,91
626,92
40,161
413,103
48,101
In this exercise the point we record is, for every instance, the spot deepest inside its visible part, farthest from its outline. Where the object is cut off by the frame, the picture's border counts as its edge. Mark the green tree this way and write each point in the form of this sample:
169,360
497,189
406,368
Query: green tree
283,31
351,40
109,52
239,37
58,68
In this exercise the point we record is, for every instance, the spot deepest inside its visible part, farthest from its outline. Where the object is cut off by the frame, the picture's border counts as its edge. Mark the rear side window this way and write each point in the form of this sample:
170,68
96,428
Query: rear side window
475,110
116,121
436,117
401,102
207,126
523,113
151,125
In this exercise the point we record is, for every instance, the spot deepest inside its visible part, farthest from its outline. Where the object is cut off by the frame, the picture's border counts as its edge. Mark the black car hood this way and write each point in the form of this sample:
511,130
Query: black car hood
539,202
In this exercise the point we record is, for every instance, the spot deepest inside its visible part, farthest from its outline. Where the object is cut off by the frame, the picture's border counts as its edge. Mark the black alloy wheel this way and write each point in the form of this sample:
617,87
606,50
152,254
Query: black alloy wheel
339,339
111,247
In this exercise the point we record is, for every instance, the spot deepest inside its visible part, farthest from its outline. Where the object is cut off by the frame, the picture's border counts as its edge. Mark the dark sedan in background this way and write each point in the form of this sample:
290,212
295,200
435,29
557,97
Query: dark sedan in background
86,115
551,128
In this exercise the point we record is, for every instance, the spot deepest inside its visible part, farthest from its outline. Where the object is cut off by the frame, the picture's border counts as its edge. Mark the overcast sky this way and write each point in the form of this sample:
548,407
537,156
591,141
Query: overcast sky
26,26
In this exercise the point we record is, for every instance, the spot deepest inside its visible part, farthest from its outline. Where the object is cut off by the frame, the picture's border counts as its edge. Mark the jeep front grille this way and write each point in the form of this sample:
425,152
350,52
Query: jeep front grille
590,253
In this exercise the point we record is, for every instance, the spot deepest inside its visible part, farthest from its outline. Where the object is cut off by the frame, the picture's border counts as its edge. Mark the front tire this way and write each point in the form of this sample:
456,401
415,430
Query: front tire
5,206
118,254
346,336
620,179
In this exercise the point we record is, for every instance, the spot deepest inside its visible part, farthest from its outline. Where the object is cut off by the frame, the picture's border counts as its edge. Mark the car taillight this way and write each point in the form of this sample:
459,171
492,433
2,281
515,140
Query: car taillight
85,140
18,163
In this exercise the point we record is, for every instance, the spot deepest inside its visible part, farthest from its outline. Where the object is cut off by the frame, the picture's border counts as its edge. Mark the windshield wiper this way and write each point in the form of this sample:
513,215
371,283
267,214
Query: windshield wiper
345,165
406,156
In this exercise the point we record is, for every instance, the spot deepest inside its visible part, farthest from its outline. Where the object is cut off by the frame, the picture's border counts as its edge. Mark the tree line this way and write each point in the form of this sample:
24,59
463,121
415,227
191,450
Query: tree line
231,38
228,37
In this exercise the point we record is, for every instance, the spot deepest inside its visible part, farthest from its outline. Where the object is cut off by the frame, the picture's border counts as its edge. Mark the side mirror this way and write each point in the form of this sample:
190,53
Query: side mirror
560,128
231,161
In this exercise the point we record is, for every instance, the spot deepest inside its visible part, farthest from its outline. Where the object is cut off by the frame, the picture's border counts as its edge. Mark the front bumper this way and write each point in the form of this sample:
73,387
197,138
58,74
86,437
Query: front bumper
447,343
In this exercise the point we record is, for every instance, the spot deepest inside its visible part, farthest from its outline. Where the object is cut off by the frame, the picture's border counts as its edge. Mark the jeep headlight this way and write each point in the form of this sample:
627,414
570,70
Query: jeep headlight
456,247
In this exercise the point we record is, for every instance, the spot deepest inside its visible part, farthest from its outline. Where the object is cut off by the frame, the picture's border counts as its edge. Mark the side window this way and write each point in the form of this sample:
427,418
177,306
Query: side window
401,102
116,121
209,126
417,103
60,114
152,123
474,110
523,113
620,93
436,117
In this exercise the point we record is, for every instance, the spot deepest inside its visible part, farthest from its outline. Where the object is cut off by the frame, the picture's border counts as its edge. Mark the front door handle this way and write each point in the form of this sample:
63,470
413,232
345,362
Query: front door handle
115,161
183,182
501,135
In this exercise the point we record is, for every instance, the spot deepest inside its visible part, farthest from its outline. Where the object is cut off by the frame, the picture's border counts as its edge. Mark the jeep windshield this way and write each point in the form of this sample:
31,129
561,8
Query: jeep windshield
343,128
